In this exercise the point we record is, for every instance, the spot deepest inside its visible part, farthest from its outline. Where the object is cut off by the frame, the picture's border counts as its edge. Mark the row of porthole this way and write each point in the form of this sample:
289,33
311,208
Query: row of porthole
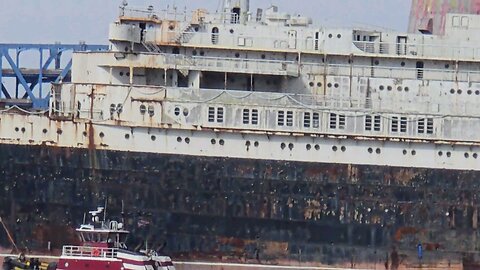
331,35
459,91
45,131
390,88
319,84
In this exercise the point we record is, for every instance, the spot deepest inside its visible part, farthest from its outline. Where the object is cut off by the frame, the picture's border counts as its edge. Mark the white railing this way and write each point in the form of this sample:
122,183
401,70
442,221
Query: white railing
84,251
419,50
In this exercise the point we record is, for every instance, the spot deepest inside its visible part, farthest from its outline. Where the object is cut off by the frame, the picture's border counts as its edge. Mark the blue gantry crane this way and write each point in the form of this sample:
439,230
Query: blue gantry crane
23,75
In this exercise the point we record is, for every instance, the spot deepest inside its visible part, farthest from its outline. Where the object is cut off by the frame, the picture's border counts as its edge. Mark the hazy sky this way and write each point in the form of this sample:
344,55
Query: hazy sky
71,21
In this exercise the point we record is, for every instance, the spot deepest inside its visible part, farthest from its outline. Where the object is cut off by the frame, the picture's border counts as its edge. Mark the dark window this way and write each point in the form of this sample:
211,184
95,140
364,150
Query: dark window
316,120
394,124
290,118
421,126
211,114
333,121
429,125
220,115
403,124
306,120
420,66
341,121
368,123
246,116
281,118
215,32
377,125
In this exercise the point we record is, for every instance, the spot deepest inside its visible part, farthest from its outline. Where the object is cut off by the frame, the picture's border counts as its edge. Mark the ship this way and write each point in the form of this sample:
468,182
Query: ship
256,137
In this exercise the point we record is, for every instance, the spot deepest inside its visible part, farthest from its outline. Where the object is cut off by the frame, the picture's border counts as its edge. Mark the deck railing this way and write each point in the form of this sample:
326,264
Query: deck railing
84,251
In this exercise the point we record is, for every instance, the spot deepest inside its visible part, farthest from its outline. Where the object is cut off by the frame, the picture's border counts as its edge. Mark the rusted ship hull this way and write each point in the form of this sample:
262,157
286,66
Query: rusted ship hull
243,210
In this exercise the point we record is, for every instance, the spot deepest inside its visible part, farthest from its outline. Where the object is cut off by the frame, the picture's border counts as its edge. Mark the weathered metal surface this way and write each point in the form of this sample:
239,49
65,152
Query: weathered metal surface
242,210
431,16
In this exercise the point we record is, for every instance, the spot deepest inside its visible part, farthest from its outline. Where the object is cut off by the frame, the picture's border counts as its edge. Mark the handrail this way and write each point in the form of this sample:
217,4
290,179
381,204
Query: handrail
85,251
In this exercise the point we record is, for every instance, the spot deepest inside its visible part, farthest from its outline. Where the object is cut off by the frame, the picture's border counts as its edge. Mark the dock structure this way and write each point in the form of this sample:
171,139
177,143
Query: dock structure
26,69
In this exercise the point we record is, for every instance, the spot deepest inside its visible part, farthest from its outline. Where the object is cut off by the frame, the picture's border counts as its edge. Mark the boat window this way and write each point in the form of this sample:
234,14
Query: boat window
215,32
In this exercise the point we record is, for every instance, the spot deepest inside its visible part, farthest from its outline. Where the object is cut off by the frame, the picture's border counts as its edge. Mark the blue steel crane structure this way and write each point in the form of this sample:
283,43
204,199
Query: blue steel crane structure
28,76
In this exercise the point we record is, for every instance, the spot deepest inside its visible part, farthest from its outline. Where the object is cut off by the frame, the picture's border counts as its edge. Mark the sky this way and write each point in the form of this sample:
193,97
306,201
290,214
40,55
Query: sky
72,21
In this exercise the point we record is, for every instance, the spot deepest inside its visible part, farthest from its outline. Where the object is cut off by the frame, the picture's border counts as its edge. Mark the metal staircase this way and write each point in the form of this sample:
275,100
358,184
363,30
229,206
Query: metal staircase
186,34
152,47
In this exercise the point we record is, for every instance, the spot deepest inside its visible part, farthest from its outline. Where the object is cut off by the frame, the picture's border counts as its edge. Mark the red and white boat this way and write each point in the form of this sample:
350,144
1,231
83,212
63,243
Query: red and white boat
103,248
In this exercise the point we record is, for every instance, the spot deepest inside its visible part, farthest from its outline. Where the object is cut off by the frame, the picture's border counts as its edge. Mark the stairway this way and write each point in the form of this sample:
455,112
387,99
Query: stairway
152,47
185,35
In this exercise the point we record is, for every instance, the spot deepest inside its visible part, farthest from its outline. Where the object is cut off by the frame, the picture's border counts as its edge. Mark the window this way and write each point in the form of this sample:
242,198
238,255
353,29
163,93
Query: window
246,116
254,117
368,123
377,123
215,114
289,118
316,120
250,117
394,124
337,121
403,124
306,120
425,126
281,118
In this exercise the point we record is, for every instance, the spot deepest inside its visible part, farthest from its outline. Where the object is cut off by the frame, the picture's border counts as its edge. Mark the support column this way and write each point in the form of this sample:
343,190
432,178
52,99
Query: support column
194,79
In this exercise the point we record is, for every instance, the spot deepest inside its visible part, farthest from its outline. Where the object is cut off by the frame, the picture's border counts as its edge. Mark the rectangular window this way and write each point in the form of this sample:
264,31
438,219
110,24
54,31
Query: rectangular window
341,121
421,126
306,120
289,118
333,121
316,120
254,117
281,118
368,123
429,125
403,124
394,124
377,125
246,116
211,114
219,115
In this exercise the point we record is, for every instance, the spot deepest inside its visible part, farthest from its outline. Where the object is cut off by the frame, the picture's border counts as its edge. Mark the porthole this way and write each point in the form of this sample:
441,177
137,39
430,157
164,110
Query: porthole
466,155
376,62
221,142
187,140
237,55
343,148
449,154
309,147
337,85
185,112
402,64
317,147
459,91
23,130
283,145
248,143
405,152
45,131
447,66
127,136
176,111
232,31
330,36
127,74
256,144
469,92
121,73
475,155
311,84
263,56
153,138
440,153
143,109
102,134
213,141
381,87
319,84
151,111
59,132
179,139
202,53
389,88
335,148
452,91
339,36
171,27
477,92
194,52
414,153
406,89
378,151
329,85
84,134
370,150
290,146
399,88
196,28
